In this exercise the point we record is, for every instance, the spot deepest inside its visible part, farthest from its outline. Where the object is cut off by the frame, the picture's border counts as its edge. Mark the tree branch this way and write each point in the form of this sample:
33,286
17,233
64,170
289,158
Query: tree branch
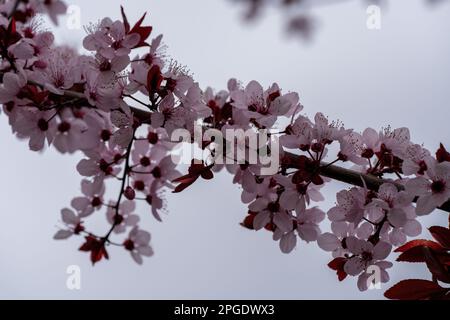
327,170
352,177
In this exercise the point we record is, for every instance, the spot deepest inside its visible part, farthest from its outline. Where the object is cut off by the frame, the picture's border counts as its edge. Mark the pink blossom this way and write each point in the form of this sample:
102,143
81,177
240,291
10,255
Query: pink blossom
365,277
155,199
308,224
125,217
100,163
350,149
169,116
351,206
415,160
163,173
325,132
397,205
252,185
432,192
261,106
299,134
93,192
364,254
11,85
72,134
138,244
123,136
62,70
110,40
37,126
266,209
297,196
396,141
178,82
73,223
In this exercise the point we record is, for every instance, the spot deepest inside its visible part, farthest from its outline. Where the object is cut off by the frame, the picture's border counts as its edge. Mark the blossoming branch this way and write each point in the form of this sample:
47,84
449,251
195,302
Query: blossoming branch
121,107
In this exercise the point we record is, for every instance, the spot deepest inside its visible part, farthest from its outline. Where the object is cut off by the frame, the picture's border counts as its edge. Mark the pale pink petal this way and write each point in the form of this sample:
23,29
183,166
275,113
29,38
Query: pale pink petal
328,242
288,242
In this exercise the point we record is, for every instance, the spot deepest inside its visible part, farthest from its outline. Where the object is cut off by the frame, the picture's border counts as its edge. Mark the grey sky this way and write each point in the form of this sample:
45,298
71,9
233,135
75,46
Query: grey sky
398,75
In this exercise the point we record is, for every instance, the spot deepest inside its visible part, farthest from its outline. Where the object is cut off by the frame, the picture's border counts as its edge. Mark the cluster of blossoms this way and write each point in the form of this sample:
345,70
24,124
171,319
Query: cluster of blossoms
120,105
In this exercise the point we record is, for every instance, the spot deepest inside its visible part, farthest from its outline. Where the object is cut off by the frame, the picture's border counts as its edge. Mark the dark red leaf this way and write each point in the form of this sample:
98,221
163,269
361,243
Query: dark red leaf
125,20
143,32
442,154
196,170
414,289
441,234
207,174
184,184
248,222
338,265
419,242
184,179
138,24
415,254
154,79
96,247
12,26
317,180
435,266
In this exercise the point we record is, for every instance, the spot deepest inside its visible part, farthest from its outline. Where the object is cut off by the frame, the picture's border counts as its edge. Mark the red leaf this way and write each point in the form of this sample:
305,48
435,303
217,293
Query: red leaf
415,254
154,79
338,265
248,222
34,94
96,247
125,20
419,242
184,179
12,26
138,24
207,174
195,171
442,154
441,234
415,289
143,32
436,267
185,184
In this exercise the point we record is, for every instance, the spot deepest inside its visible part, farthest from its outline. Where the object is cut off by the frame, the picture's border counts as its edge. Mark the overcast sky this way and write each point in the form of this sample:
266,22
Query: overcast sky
398,75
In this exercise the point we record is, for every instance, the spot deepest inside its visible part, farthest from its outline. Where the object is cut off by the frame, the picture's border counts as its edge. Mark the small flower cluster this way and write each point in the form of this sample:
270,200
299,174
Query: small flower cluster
53,95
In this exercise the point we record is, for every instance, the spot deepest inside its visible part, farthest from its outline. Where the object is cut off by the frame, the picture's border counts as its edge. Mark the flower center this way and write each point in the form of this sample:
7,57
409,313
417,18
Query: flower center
105,135
438,186
302,188
118,219
145,161
42,125
64,127
129,245
273,207
366,256
96,201
156,173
